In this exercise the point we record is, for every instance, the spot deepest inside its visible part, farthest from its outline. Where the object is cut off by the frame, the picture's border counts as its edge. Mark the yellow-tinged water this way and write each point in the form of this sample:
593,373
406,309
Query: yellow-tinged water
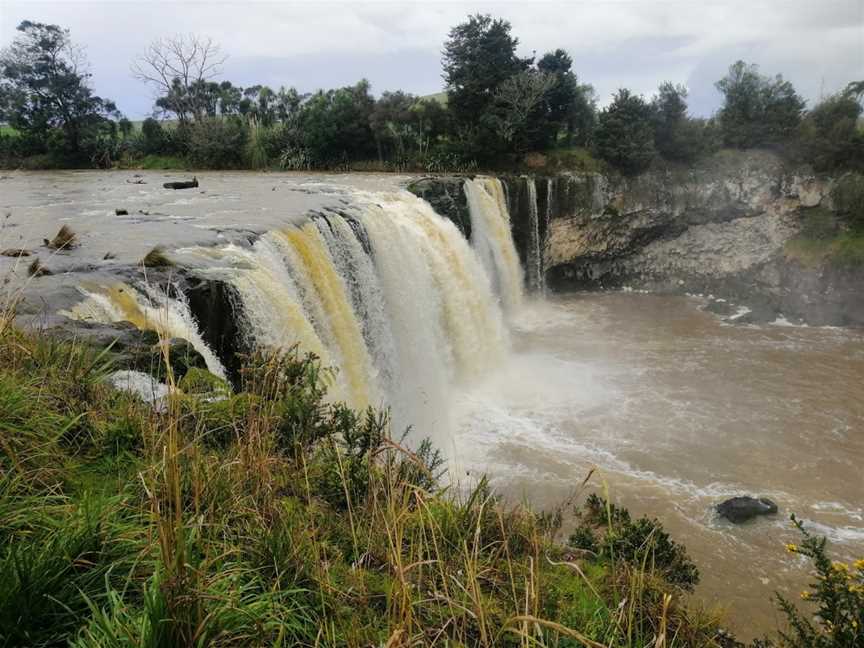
355,363
169,318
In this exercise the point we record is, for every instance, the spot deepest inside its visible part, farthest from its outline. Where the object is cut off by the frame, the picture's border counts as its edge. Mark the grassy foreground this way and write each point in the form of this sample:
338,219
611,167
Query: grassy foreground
273,517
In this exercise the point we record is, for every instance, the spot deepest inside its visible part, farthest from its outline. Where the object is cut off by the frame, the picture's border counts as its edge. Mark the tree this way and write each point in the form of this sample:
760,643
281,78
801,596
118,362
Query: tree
334,126
479,55
44,92
676,135
179,68
153,138
829,135
757,110
571,105
624,136
394,124
520,111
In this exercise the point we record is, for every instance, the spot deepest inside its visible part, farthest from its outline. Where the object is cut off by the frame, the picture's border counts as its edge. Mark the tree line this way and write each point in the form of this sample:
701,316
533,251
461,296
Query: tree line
498,108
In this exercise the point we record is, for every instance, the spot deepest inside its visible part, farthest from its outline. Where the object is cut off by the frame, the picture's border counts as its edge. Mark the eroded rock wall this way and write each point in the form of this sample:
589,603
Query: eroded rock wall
718,228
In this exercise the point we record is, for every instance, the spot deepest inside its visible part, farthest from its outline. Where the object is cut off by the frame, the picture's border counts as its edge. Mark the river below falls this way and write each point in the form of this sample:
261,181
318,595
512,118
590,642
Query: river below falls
678,410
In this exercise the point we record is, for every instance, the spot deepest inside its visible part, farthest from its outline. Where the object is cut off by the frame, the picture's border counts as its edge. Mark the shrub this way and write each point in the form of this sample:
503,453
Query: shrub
848,198
217,143
837,594
609,531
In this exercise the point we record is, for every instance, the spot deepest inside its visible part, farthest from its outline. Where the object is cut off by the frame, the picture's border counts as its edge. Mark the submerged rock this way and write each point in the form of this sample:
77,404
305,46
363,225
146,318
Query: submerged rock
741,509
183,184
16,252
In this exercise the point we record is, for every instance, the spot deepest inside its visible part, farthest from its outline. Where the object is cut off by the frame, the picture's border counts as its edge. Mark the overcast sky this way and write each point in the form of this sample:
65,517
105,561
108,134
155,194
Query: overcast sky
817,44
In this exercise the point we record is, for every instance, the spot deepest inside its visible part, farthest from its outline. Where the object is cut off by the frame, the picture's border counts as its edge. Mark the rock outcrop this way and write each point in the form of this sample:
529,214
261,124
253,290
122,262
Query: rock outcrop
719,228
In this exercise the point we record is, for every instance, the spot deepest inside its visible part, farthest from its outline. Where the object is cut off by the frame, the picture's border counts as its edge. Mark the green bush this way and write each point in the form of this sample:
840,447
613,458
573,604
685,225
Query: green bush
837,593
848,197
217,143
819,224
608,530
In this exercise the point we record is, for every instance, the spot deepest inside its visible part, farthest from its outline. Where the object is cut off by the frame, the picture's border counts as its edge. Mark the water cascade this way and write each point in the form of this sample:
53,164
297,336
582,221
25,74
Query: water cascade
493,240
534,260
151,310
386,291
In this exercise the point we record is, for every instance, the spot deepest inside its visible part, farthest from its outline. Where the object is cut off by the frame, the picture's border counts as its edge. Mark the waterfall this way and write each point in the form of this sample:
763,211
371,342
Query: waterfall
348,243
534,260
550,193
493,240
385,291
151,310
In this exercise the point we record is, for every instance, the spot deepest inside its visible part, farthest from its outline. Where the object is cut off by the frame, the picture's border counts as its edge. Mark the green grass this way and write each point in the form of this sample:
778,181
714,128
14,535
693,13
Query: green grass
574,159
842,250
275,517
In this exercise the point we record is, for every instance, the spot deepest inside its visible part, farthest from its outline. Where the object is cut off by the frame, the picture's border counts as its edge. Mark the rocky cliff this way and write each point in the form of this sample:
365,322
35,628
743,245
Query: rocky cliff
720,228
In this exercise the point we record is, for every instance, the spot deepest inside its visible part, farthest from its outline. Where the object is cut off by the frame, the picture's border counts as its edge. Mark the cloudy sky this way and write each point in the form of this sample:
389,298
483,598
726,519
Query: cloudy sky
818,44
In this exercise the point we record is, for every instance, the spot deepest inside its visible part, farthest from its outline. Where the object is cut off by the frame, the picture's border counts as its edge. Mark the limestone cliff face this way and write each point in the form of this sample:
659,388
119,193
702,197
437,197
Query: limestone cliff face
718,228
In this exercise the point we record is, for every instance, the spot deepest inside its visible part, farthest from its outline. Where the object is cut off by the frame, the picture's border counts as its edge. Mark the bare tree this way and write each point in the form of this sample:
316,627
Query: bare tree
178,67
515,101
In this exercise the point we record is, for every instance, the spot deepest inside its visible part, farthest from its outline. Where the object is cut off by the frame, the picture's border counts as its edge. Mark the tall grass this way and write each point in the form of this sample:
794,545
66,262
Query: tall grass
275,517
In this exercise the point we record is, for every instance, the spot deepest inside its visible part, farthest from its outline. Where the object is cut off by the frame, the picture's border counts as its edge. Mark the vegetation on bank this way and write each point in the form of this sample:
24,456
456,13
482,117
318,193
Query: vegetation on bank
502,111
833,237
273,516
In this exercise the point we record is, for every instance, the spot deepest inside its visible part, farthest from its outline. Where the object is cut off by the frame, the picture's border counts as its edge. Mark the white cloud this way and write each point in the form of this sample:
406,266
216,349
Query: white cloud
818,44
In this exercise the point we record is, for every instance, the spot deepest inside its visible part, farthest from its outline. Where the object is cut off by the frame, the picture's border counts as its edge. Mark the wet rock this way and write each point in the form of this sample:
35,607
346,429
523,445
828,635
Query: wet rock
447,197
16,252
182,356
133,348
741,509
36,269
216,308
182,184
719,227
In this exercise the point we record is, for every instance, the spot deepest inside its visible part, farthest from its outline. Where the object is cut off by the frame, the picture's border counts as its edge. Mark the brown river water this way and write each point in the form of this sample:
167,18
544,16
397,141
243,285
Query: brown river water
675,408
678,410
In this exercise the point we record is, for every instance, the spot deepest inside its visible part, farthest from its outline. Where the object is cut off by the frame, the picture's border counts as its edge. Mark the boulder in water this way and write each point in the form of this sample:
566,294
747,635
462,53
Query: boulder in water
182,184
741,509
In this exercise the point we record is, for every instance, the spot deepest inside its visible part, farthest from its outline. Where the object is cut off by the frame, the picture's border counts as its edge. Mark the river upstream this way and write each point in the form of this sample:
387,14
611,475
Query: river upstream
674,408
